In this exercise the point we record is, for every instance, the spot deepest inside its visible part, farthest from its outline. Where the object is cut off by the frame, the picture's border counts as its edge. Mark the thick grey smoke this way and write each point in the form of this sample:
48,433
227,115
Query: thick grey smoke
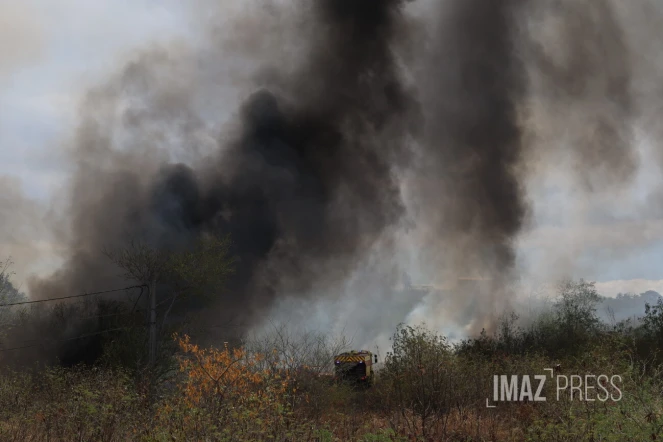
645,33
333,154
305,185
582,93
468,188
25,235
589,64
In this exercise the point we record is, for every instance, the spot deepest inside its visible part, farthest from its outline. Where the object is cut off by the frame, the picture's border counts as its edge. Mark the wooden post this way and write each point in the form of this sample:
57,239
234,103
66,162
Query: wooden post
153,324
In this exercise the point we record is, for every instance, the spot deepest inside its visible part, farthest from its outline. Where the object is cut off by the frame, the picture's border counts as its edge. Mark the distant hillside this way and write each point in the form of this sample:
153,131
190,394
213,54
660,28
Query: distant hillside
626,306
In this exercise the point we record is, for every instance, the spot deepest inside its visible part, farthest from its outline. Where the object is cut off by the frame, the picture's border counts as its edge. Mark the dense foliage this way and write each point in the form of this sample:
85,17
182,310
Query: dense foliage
428,389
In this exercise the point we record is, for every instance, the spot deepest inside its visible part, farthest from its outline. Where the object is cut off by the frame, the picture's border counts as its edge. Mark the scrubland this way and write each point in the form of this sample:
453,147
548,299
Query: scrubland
427,389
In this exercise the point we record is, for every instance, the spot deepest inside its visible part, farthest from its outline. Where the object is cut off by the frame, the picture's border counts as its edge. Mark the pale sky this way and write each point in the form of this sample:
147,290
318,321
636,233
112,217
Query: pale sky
50,50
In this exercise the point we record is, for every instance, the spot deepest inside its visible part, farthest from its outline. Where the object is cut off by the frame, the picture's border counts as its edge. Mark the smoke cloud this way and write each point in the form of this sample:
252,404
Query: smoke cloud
25,237
304,185
467,189
582,73
591,171
359,135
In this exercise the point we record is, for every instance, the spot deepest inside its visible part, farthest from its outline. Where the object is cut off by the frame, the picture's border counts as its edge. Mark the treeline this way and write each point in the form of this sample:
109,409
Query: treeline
571,327
160,288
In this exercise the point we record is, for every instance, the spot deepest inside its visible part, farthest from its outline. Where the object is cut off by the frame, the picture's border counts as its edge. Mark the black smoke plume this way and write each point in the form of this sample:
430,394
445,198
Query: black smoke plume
332,150
305,187
468,185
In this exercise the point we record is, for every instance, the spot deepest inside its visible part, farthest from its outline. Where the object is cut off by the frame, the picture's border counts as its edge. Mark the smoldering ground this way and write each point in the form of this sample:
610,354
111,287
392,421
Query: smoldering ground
345,151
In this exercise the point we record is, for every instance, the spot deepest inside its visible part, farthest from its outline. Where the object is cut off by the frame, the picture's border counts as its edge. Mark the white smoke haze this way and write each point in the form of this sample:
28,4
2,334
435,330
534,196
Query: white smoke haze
26,236
590,210
21,38
176,95
631,286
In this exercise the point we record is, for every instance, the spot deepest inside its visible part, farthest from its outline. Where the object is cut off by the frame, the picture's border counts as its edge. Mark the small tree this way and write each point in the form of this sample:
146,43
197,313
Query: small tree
575,313
292,350
417,379
576,307
8,294
569,325
226,395
650,334
199,270
306,356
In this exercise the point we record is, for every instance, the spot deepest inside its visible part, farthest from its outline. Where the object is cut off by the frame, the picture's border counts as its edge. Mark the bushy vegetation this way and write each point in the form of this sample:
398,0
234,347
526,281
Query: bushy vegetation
272,387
